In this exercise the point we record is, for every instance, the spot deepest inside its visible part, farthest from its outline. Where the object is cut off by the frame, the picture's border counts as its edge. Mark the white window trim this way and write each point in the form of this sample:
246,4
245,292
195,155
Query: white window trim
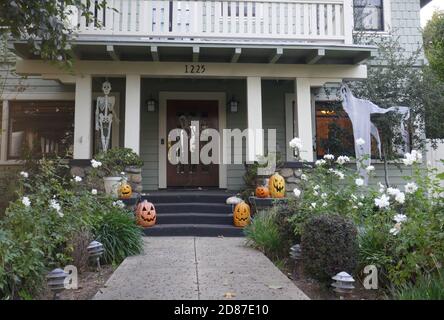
387,16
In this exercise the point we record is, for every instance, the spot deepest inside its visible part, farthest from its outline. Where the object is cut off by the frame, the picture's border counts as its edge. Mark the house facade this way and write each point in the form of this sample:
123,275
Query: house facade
226,64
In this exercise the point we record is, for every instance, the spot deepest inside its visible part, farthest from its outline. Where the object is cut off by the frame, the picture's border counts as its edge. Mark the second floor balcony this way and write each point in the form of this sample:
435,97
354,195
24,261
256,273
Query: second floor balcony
264,21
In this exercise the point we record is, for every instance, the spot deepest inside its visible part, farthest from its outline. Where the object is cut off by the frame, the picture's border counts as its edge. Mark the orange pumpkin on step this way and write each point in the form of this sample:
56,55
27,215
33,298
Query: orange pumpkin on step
241,214
146,214
125,191
276,185
262,192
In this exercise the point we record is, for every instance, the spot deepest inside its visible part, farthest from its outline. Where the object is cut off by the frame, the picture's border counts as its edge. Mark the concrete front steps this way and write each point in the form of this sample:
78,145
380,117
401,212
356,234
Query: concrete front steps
200,213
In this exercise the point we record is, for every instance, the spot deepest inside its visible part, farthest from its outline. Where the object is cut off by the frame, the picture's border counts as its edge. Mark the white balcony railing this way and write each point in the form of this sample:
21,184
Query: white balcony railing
328,21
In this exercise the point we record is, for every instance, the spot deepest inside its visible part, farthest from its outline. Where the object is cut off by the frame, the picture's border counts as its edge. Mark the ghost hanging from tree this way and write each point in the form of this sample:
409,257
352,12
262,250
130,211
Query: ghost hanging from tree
359,111
105,115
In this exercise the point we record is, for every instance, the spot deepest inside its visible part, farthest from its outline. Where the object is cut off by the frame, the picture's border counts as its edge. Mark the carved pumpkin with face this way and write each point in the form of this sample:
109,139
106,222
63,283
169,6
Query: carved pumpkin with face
146,214
277,186
125,191
241,214
262,192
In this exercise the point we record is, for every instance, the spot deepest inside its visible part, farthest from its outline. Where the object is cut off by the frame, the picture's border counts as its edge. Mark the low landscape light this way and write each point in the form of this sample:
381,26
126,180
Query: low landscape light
56,281
343,283
95,251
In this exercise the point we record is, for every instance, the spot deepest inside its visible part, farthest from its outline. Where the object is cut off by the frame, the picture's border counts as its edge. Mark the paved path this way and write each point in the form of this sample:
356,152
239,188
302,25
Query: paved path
198,268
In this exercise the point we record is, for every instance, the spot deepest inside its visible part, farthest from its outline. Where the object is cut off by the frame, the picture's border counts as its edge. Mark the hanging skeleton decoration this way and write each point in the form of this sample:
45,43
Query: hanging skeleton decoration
359,112
105,115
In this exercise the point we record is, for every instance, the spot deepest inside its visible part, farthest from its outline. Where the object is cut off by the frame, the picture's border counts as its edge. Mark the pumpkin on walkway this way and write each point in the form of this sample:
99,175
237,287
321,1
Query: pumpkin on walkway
276,185
146,214
125,191
262,192
241,214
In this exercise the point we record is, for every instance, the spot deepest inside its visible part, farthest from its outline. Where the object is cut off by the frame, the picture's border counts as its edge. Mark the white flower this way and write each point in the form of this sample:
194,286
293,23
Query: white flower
329,157
24,174
359,182
410,188
395,230
96,164
324,196
411,158
26,202
304,177
56,206
315,193
122,173
316,187
370,169
119,204
94,191
325,204
400,197
399,218
297,192
78,179
360,142
321,162
393,191
340,174
343,159
313,205
381,187
360,204
296,143
382,202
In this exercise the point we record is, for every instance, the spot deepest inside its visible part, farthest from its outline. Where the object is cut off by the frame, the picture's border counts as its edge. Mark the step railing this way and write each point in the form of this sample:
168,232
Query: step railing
329,21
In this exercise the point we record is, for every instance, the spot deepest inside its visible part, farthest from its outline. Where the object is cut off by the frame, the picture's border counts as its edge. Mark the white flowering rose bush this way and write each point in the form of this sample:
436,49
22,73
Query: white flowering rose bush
401,228
38,229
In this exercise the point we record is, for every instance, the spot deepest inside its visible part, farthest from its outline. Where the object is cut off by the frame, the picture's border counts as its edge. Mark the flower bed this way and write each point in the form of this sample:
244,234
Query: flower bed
400,229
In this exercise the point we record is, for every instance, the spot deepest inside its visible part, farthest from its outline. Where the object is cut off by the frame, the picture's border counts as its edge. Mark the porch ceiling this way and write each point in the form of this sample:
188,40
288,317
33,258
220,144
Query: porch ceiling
212,52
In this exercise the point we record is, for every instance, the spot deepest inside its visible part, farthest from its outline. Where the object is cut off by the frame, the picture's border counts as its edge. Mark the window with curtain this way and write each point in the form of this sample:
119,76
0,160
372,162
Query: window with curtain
369,15
40,128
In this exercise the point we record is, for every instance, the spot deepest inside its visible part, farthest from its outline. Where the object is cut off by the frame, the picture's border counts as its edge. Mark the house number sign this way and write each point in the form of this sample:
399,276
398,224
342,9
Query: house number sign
195,68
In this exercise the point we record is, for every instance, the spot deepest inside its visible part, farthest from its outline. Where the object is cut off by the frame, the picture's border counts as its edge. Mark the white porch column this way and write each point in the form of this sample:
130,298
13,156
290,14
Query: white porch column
5,129
132,112
255,139
304,117
83,118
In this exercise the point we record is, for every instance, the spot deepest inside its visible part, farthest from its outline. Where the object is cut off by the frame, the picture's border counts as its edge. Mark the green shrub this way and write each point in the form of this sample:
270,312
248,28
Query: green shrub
329,245
282,215
119,234
115,160
263,234
46,233
426,287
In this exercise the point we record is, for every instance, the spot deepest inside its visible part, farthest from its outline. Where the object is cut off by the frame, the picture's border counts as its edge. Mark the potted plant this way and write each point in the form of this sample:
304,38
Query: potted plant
111,166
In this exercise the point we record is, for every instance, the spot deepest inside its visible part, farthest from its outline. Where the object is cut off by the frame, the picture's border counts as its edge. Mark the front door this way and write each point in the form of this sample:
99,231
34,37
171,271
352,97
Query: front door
180,114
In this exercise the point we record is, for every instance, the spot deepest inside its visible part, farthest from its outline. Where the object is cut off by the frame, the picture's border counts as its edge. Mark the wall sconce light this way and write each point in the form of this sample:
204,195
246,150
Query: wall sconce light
233,105
151,105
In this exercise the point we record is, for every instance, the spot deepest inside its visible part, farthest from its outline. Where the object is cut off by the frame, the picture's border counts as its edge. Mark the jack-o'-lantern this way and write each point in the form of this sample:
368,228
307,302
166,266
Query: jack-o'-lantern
146,214
262,192
125,191
276,185
241,214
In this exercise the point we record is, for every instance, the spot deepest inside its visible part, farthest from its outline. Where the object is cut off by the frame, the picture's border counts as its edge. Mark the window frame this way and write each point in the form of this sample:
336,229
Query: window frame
386,23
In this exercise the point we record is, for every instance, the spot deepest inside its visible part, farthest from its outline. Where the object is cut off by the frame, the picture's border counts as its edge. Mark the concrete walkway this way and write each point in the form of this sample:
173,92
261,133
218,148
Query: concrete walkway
198,268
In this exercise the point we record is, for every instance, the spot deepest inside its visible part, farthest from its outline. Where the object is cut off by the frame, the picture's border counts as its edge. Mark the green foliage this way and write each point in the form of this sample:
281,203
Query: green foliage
43,24
41,235
118,233
329,245
426,287
434,43
263,234
115,160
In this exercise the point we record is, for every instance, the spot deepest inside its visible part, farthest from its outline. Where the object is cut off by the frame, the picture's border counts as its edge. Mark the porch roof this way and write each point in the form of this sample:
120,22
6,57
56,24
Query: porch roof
127,49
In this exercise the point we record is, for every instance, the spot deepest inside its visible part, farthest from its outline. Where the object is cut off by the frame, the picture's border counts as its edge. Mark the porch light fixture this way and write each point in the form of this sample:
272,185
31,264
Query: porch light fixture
151,105
233,105
56,281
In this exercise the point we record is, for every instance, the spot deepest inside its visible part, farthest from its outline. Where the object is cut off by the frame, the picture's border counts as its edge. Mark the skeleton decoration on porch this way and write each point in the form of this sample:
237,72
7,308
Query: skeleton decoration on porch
359,112
105,115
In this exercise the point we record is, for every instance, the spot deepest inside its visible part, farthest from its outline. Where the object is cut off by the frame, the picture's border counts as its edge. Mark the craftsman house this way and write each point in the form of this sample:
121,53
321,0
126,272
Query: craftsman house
227,64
